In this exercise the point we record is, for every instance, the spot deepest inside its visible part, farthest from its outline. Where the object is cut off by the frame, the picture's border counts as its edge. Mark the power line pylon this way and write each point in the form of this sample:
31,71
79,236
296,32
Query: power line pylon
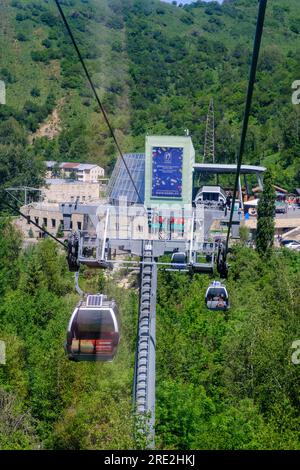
209,143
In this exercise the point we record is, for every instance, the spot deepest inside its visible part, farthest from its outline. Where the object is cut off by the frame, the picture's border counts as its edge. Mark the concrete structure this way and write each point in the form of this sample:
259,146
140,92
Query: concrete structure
169,171
60,190
46,213
48,216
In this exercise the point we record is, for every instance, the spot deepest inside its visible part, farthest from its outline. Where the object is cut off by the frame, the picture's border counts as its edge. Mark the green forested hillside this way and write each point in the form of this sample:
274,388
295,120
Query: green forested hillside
223,382
45,400
156,67
42,75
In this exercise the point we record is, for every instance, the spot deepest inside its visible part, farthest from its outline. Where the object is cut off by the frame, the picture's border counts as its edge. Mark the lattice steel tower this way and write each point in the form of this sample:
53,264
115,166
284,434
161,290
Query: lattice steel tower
209,144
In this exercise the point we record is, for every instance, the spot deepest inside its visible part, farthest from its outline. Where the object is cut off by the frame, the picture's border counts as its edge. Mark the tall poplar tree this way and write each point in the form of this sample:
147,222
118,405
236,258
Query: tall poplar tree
265,217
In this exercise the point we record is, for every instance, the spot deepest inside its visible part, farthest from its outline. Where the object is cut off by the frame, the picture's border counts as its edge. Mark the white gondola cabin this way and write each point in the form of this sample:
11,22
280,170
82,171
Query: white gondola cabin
216,297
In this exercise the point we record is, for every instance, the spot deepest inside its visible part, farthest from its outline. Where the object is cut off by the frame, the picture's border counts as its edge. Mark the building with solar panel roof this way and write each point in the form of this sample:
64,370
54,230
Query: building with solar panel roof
120,184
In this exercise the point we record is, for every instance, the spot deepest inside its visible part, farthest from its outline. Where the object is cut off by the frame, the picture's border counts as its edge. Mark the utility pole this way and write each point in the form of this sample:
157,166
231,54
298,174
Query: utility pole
25,190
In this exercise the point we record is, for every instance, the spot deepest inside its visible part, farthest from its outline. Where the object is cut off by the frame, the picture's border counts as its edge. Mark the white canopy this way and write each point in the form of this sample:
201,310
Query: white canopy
253,203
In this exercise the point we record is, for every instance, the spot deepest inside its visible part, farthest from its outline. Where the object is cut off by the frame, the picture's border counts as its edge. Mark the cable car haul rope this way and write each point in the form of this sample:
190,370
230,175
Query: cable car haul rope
222,266
93,331
97,96
255,56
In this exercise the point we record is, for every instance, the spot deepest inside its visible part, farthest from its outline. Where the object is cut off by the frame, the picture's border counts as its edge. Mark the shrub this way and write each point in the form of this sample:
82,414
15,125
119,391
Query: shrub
35,92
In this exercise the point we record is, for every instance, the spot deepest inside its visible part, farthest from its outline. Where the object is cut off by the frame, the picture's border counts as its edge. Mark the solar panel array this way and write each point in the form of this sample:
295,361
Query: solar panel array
120,184
94,300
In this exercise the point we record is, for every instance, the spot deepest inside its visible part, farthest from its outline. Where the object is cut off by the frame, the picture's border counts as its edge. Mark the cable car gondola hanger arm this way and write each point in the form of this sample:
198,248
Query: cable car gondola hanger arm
255,56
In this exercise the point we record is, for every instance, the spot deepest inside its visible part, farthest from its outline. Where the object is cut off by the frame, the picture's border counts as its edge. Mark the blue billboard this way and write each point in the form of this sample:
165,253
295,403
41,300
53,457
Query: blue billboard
167,172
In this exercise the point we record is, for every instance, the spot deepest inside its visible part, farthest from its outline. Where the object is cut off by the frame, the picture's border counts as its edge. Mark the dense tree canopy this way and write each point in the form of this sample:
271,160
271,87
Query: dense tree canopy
223,382
156,66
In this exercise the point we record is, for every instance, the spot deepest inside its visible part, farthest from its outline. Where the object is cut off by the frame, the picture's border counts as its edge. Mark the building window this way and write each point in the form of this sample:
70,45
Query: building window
140,228
45,221
79,225
36,219
83,198
62,224
71,225
53,223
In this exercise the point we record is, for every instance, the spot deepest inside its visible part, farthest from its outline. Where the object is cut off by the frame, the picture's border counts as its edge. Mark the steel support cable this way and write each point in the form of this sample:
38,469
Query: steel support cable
255,56
97,96
15,209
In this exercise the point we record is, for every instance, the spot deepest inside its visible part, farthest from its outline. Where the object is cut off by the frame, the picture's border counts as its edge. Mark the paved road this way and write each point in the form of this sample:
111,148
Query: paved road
212,214
291,214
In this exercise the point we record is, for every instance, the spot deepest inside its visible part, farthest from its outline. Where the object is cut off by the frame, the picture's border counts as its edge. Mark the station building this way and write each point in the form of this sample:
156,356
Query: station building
168,205
165,177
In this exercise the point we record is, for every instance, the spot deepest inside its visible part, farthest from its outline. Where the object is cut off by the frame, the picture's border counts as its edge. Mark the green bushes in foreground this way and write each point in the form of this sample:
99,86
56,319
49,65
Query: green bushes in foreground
223,382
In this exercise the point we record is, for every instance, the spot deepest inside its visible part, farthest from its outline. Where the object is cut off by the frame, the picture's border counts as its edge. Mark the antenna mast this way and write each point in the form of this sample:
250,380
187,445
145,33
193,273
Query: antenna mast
209,144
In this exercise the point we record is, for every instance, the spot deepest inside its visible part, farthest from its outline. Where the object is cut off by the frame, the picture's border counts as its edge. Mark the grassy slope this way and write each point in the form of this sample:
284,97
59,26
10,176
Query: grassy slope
28,73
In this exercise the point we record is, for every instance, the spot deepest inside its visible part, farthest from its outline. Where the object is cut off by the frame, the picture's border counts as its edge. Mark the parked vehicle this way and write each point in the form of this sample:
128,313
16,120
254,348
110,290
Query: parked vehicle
280,208
284,242
293,246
